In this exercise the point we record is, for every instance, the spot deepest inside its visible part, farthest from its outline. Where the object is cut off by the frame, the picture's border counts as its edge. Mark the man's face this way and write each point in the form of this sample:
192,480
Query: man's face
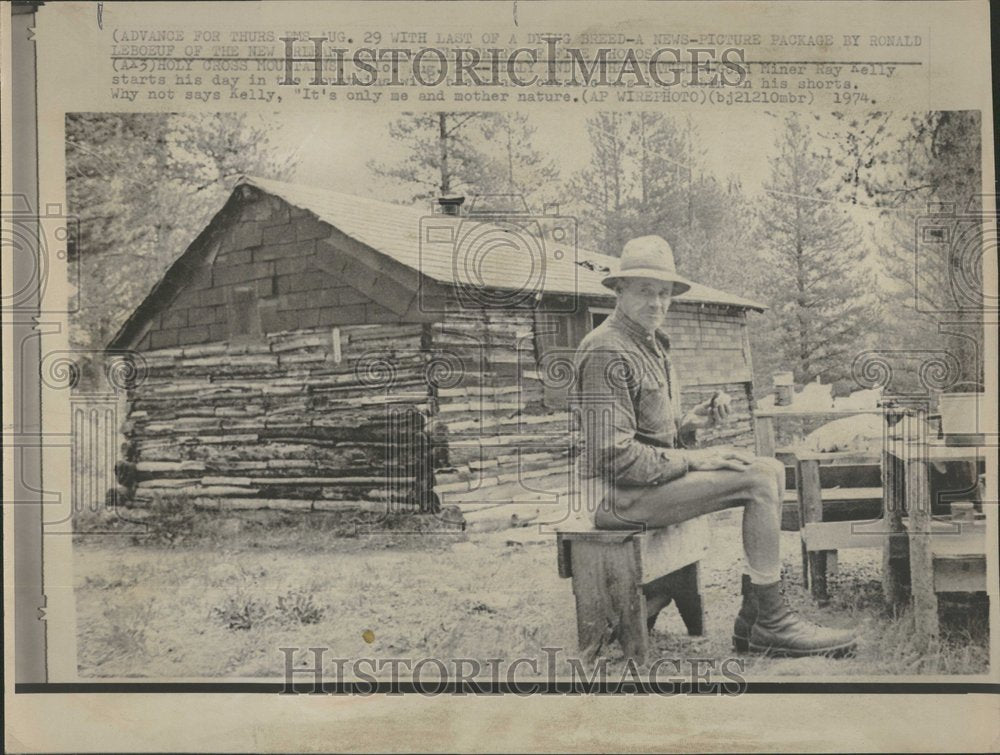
645,301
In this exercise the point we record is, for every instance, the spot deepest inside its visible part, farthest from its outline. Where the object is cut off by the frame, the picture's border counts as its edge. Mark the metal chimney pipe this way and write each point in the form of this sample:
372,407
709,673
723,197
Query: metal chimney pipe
451,205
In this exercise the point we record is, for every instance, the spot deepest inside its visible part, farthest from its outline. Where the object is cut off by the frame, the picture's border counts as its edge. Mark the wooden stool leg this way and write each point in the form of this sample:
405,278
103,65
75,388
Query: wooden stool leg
687,596
610,604
659,595
805,566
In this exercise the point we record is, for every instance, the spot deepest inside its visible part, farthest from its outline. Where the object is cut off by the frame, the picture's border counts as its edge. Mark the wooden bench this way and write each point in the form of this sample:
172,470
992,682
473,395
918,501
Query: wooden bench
817,503
623,579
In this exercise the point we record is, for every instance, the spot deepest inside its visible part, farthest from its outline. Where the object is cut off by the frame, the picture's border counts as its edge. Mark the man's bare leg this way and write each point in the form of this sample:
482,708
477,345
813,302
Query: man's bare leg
765,623
696,493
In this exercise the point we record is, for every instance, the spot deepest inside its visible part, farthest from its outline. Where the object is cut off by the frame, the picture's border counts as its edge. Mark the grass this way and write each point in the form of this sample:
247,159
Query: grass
223,600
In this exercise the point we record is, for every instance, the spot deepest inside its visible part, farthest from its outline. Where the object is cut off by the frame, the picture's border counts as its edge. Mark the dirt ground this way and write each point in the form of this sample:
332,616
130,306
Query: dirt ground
223,607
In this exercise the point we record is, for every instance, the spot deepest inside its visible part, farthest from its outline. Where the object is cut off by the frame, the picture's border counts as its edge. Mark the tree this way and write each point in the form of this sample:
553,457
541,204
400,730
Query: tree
469,154
517,166
647,176
719,247
642,179
442,157
142,185
601,189
905,166
814,262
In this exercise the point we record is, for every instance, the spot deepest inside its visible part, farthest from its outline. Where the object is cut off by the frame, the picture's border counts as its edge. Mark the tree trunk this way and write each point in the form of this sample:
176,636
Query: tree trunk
443,147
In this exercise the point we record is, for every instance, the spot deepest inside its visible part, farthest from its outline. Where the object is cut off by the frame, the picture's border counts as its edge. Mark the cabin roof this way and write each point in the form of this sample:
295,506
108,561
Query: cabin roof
395,230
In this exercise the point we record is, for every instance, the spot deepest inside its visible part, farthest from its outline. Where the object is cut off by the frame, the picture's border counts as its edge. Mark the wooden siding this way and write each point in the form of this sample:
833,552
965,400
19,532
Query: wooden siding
492,430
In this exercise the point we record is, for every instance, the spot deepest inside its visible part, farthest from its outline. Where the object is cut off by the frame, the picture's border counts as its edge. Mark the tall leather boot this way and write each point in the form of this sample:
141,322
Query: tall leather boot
779,631
746,617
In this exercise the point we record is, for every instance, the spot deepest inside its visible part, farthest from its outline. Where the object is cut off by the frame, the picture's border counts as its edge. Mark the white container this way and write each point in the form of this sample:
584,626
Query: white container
784,388
959,413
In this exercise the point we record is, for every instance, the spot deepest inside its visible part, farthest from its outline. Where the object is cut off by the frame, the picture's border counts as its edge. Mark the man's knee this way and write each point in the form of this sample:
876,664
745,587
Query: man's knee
770,465
764,482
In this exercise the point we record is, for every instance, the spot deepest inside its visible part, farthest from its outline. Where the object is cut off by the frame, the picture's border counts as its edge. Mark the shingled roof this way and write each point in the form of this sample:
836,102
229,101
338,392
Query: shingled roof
394,230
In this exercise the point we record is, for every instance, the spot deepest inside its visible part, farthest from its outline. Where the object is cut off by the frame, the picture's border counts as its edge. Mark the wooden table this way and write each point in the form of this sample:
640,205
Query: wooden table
764,421
958,546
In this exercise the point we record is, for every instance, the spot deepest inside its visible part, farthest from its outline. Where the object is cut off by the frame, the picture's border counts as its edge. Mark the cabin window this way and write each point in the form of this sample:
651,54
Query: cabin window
554,330
598,315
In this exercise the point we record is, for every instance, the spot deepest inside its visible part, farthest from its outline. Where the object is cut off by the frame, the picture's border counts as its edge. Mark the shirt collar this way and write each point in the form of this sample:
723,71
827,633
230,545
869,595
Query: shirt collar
622,321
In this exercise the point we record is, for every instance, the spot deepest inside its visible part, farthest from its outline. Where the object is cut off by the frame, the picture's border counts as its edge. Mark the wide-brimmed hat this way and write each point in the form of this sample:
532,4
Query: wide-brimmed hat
648,257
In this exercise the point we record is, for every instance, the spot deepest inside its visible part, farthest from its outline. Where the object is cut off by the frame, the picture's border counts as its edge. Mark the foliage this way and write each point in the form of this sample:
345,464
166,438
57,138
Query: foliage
469,153
246,607
142,185
170,519
813,262
298,607
519,168
639,180
905,166
241,611
123,632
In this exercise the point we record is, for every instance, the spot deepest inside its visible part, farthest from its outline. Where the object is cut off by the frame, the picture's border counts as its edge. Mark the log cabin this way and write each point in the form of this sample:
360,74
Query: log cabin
314,350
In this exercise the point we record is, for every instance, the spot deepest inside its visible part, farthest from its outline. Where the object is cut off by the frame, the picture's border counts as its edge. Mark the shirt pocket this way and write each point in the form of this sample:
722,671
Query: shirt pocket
654,414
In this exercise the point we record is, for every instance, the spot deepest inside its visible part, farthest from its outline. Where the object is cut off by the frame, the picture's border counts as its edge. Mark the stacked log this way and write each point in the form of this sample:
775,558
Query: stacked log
493,437
322,418
362,416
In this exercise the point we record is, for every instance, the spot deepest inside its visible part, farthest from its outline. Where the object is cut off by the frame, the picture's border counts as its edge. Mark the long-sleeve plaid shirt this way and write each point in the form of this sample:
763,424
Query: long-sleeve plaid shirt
629,399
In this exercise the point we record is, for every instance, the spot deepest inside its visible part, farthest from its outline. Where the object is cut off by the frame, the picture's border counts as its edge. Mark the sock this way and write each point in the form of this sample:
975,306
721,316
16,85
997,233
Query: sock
762,577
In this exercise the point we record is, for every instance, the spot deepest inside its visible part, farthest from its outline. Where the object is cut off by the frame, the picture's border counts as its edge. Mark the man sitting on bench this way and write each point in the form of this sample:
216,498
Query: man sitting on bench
638,465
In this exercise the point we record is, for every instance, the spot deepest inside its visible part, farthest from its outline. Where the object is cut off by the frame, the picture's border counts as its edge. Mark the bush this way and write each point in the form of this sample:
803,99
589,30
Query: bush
297,606
241,611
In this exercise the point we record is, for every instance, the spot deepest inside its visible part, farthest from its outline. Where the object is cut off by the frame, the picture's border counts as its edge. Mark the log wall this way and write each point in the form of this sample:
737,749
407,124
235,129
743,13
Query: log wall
299,419
494,437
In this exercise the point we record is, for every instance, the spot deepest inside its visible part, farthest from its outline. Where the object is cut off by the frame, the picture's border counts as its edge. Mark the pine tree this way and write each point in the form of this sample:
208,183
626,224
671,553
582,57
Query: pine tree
906,165
468,154
513,165
813,265
142,186
641,180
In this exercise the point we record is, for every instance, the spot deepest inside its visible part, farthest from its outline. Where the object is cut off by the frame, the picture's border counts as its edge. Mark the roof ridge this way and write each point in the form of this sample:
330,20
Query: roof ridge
261,183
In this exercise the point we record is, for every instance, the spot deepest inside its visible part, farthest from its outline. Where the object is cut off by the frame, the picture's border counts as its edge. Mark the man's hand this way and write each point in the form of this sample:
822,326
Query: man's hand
718,458
713,411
